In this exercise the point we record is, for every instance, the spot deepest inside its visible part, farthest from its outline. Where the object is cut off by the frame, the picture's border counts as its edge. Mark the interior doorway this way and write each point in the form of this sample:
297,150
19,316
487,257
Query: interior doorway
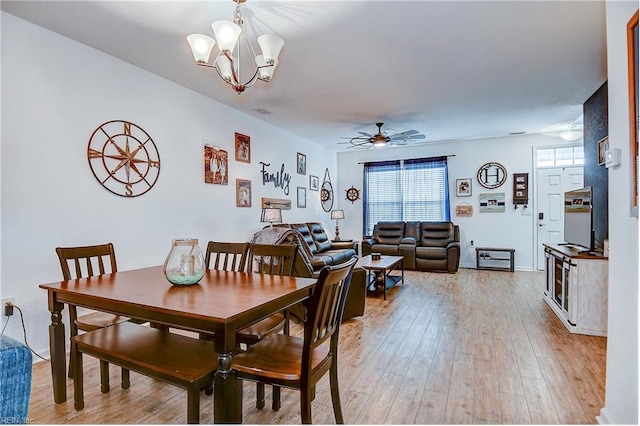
552,183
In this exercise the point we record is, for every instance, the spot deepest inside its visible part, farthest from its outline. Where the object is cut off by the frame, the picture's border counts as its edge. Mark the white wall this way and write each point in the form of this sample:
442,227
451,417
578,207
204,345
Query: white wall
621,397
55,93
510,229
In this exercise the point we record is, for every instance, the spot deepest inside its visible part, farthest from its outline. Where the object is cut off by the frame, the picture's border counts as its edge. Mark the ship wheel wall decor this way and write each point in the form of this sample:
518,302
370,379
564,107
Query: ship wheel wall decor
326,193
353,194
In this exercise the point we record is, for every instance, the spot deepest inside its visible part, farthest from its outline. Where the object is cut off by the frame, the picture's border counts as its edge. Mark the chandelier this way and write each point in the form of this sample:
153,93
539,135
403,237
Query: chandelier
232,41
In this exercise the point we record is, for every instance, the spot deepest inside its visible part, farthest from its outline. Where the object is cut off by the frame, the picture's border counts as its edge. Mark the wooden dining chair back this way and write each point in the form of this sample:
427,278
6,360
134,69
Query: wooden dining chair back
272,259
227,256
299,363
82,262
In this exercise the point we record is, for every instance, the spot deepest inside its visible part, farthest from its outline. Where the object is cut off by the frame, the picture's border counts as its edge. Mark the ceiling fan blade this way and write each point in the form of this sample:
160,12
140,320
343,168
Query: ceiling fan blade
406,133
366,134
410,137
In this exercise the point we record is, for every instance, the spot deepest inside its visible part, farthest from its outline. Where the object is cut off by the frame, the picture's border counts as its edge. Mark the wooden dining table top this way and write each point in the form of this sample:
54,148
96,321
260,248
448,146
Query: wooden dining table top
221,296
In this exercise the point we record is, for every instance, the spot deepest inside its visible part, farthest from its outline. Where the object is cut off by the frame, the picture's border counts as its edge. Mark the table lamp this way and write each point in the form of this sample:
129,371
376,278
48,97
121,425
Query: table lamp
337,215
271,215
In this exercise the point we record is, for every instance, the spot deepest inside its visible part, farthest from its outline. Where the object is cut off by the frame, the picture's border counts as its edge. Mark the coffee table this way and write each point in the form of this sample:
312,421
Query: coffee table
378,272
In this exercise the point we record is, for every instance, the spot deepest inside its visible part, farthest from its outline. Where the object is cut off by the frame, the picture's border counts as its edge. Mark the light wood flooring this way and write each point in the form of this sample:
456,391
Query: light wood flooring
472,347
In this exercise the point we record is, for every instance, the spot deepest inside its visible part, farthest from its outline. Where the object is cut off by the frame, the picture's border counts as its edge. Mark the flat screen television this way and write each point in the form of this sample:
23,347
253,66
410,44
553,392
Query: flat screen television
578,219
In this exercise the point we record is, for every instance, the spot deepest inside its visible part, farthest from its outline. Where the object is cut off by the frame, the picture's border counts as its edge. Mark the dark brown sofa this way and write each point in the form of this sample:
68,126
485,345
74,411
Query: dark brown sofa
315,251
426,246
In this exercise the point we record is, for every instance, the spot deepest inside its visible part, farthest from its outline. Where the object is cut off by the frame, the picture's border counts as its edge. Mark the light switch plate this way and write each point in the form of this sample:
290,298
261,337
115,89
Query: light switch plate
612,157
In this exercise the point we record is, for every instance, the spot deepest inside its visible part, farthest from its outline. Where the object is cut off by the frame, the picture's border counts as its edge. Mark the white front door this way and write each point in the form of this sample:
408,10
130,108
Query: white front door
552,184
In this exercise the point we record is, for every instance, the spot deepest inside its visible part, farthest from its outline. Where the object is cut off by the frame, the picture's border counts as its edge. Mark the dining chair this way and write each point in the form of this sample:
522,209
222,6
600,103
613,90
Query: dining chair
88,261
299,363
226,256
273,260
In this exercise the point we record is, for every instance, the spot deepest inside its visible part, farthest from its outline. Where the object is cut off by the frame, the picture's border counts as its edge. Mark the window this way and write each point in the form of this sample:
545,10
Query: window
560,156
405,190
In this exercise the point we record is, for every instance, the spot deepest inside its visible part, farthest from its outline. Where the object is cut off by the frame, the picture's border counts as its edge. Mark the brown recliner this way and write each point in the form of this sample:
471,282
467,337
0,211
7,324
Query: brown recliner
316,251
438,247
425,246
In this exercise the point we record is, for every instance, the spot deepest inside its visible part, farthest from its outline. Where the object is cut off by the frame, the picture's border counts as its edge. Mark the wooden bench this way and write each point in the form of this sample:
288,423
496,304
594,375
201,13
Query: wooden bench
180,360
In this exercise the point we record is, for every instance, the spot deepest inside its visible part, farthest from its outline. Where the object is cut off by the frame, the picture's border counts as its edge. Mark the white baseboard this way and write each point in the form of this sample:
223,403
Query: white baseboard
604,418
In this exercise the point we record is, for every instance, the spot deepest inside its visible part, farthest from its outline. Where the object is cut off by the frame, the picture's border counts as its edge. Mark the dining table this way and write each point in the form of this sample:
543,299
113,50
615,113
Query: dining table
220,304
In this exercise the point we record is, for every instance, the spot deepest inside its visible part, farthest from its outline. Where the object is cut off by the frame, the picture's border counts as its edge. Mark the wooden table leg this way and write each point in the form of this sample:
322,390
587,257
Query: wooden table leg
57,350
227,389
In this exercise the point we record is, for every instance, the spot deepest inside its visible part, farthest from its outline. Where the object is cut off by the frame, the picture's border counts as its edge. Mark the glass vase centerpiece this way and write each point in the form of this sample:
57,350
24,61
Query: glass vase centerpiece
185,263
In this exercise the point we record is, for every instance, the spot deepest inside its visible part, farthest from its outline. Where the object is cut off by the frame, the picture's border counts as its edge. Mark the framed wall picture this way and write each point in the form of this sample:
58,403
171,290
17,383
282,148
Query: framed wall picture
603,146
243,148
492,202
243,193
463,187
314,183
301,167
302,197
216,163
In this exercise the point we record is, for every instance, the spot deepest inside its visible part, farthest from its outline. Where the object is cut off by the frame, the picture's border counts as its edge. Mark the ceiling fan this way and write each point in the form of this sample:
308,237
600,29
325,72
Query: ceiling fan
385,138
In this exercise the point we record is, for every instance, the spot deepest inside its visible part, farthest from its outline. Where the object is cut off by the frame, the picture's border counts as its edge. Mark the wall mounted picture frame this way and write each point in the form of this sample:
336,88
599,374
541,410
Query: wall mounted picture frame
603,146
216,165
314,183
275,203
302,197
492,202
243,148
243,193
463,187
301,164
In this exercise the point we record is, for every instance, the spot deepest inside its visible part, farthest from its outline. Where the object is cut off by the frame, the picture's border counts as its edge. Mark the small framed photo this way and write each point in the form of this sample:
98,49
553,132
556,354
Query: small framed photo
243,193
302,164
302,197
314,183
603,147
463,187
243,148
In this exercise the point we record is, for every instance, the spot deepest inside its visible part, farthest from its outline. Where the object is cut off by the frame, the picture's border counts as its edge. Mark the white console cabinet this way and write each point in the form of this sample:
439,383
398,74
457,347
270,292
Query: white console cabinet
576,289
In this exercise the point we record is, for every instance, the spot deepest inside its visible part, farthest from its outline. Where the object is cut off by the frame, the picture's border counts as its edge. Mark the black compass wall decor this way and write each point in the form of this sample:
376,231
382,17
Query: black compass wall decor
123,158
353,194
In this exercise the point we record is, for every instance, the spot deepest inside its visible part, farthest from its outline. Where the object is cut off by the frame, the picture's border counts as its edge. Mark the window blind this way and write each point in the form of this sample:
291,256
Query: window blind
405,190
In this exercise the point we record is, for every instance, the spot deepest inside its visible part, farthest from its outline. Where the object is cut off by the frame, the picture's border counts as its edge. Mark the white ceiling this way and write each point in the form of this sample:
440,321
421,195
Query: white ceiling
452,70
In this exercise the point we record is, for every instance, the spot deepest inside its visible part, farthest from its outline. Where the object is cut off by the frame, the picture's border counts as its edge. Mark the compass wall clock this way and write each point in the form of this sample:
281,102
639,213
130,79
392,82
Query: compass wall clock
123,158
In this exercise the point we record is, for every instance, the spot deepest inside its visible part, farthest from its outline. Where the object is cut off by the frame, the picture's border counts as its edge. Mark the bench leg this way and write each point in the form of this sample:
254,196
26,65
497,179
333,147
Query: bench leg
125,382
78,391
193,405
104,376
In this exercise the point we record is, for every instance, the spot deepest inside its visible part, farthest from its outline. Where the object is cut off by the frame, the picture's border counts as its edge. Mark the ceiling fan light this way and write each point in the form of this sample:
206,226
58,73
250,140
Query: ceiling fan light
266,73
227,34
201,47
379,144
571,135
270,45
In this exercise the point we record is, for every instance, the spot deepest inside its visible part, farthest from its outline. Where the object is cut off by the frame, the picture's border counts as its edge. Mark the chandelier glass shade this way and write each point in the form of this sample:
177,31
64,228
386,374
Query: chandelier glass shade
232,42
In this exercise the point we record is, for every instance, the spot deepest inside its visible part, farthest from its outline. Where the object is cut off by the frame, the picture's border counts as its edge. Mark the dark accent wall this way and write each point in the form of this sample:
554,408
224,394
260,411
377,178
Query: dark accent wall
596,127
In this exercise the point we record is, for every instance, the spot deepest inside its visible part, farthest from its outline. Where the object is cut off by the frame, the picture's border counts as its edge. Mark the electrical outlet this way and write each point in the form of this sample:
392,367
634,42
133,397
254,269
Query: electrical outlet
5,300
